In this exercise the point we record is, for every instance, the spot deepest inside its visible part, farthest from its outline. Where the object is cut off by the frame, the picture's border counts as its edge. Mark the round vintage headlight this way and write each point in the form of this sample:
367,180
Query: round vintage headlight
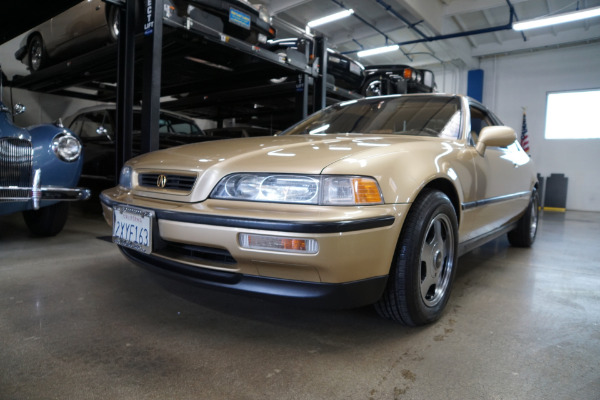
66,147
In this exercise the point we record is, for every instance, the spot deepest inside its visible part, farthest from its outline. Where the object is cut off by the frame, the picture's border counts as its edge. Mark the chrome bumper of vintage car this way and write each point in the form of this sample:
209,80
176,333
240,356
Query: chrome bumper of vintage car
36,192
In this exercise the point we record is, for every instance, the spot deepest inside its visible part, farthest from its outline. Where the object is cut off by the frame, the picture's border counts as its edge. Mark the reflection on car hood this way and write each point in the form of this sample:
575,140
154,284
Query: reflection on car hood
8,129
304,154
285,154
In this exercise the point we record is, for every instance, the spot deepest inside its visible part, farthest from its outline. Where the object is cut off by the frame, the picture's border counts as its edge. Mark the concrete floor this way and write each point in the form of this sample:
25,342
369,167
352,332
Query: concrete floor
78,321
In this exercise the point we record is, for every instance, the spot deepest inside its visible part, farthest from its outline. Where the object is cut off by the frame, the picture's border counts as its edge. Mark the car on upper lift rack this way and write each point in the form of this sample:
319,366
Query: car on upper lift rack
39,169
342,71
93,23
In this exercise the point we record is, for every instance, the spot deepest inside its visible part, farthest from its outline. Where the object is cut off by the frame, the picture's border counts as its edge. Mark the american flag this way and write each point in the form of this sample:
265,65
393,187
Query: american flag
524,137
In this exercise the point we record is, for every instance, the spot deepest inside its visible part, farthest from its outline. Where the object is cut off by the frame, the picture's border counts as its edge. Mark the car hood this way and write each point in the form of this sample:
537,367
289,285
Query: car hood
8,129
305,154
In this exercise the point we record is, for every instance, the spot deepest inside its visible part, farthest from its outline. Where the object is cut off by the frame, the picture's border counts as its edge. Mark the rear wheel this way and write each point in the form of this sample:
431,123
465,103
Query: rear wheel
423,269
36,51
47,221
526,231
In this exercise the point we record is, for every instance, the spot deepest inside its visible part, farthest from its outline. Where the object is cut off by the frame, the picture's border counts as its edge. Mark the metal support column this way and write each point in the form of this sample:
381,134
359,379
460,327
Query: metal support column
125,87
302,90
320,93
153,33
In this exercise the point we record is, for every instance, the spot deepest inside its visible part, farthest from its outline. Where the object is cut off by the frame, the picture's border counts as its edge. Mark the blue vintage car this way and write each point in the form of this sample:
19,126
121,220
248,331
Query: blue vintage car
39,169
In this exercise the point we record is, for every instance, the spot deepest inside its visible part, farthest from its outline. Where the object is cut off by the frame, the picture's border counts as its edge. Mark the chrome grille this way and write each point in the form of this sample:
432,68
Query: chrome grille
172,181
16,159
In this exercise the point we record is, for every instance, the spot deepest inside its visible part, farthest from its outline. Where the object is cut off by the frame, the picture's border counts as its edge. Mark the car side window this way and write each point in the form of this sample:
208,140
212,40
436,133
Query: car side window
479,120
169,124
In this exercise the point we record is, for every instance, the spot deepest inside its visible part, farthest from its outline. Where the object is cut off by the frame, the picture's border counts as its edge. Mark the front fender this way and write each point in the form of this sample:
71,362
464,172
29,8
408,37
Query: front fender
404,170
55,172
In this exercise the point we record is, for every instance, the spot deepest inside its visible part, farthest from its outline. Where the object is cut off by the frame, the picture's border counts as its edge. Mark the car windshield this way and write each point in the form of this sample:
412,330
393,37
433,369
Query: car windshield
434,116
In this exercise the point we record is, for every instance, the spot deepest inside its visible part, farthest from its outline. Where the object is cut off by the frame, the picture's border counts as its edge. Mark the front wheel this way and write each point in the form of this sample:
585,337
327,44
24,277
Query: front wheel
423,269
47,221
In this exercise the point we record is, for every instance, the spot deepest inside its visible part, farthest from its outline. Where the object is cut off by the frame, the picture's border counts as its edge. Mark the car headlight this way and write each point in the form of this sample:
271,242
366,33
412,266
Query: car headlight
66,147
125,177
300,189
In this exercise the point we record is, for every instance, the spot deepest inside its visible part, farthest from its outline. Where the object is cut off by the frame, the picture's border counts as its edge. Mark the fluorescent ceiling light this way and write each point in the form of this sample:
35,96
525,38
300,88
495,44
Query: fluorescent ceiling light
378,50
330,18
557,19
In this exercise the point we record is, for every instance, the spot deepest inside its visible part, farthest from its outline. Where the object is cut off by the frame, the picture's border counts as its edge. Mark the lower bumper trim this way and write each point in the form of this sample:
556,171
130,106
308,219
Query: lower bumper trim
65,194
47,193
322,295
315,227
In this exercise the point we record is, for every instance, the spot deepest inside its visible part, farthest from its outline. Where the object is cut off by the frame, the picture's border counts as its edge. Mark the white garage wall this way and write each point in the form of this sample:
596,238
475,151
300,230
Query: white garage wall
512,82
450,78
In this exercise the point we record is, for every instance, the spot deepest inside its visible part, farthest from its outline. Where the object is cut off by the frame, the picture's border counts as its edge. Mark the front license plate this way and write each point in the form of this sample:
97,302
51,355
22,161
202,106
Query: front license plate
239,18
132,227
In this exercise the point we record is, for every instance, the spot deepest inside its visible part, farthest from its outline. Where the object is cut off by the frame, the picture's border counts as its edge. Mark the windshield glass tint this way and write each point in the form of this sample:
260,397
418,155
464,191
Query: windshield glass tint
419,115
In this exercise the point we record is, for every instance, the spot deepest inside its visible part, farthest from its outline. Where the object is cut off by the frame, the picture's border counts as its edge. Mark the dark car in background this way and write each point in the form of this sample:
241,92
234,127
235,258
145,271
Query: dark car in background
397,79
342,71
39,171
95,126
93,23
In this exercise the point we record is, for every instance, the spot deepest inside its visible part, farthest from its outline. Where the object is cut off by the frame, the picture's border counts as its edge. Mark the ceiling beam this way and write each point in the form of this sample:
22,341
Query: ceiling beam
570,37
279,6
463,27
431,11
469,6
488,18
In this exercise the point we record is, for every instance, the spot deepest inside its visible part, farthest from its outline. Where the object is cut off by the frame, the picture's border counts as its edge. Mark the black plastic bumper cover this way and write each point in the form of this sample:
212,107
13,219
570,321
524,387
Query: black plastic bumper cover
323,295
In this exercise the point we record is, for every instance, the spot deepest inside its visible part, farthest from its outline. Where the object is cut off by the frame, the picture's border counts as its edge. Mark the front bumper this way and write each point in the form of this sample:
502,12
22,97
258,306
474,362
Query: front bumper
349,270
322,295
44,193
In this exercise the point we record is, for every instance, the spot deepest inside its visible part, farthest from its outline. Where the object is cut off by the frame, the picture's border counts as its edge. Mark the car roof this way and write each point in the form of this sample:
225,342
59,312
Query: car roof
113,106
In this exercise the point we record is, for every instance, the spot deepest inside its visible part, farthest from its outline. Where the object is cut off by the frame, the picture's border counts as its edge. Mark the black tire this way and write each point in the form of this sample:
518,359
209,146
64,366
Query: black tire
425,262
526,231
112,21
47,221
36,53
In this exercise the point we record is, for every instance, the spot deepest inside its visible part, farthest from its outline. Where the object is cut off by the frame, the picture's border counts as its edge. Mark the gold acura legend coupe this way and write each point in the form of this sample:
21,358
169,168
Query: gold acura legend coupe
366,201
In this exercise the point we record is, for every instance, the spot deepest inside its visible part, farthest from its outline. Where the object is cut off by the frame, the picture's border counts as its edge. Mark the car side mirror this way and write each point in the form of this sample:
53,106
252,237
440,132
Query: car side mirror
19,109
102,131
497,136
